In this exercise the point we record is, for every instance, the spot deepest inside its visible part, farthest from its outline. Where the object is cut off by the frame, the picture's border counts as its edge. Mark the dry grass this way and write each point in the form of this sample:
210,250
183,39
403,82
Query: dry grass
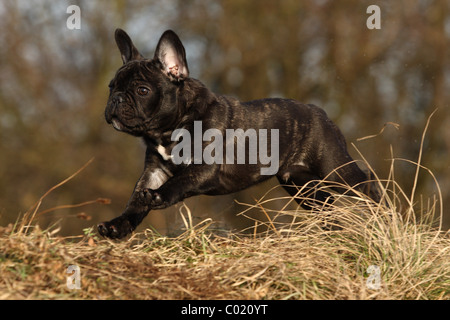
303,260
323,254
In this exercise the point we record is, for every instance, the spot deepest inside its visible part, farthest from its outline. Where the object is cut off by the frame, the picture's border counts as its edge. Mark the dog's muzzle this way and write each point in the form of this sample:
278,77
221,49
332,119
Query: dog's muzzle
119,112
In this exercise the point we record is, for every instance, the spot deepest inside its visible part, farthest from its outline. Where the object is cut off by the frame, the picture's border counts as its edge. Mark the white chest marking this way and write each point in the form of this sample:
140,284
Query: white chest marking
163,152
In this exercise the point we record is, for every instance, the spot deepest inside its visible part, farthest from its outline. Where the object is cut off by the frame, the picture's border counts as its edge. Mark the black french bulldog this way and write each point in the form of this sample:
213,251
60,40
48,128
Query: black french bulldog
154,98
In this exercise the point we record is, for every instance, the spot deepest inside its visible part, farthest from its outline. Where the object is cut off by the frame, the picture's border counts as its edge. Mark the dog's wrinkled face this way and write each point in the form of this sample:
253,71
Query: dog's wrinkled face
134,98
142,95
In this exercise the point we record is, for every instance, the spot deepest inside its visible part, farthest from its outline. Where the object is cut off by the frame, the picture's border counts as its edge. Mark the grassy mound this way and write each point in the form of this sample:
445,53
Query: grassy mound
304,260
353,249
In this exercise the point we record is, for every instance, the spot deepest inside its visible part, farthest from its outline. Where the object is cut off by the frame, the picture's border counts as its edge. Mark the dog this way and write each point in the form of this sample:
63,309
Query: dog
155,98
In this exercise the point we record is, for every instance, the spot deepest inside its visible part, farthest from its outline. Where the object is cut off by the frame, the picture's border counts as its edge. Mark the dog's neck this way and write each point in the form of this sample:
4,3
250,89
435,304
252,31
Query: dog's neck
195,98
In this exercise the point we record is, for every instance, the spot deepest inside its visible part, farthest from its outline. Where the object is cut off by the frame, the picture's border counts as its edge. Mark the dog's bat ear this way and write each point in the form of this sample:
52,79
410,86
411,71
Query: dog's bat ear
126,47
170,52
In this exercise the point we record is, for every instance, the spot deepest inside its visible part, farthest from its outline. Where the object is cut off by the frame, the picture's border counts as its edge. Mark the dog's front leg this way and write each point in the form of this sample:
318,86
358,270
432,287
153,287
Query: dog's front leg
138,206
193,180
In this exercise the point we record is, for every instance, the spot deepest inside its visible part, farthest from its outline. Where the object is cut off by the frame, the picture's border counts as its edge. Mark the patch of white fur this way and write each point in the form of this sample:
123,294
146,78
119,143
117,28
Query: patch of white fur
301,163
116,124
156,179
163,152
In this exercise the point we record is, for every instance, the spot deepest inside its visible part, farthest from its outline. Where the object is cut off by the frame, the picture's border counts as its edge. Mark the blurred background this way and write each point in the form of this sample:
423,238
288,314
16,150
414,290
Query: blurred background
53,90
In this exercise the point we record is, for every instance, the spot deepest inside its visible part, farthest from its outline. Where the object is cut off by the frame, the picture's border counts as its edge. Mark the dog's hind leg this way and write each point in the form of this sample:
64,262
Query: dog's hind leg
304,186
348,178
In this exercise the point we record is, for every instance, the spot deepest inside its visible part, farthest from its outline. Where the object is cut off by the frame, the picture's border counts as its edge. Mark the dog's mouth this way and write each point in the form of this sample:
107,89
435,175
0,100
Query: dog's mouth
116,124
124,127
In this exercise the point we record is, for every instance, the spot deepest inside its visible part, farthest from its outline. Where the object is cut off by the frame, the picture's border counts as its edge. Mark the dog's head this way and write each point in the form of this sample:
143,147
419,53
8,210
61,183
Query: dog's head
143,93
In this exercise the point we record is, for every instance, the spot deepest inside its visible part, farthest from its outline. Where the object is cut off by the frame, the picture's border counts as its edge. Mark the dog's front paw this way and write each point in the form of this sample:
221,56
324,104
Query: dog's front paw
116,228
145,196
150,197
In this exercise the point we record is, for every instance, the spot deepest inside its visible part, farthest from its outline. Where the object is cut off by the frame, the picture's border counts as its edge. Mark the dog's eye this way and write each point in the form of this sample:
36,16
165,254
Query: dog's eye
142,91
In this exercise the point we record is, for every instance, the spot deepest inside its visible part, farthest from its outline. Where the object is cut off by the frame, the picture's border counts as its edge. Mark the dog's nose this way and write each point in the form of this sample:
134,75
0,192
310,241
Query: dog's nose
117,99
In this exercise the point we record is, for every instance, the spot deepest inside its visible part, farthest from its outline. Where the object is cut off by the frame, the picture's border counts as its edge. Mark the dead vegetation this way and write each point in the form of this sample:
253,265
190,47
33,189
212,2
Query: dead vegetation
304,260
354,249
